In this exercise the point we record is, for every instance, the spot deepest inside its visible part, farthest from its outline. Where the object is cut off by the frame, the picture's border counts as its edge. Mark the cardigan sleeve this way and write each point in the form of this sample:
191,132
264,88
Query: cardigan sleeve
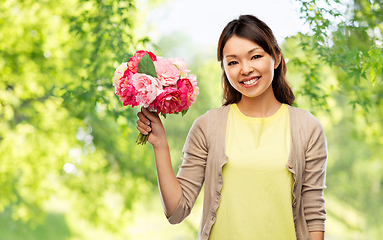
191,173
314,176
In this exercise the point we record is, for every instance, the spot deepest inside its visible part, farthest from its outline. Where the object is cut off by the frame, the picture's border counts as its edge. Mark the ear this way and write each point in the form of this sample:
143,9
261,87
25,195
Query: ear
277,61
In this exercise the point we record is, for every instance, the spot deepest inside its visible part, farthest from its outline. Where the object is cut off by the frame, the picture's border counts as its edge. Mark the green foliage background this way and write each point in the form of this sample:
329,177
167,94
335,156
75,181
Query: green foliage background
58,108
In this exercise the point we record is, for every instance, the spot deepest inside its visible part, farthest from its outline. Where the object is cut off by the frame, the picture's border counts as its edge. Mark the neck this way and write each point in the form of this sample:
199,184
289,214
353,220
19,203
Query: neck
261,106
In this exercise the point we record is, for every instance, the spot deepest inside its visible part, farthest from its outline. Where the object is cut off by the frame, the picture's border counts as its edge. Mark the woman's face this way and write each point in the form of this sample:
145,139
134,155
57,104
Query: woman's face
249,69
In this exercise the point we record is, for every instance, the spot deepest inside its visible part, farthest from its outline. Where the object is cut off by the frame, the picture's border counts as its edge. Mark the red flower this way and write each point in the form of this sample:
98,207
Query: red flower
186,90
125,90
168,102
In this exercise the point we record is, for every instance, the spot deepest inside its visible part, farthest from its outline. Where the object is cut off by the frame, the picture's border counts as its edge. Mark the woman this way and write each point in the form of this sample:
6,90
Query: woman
263,161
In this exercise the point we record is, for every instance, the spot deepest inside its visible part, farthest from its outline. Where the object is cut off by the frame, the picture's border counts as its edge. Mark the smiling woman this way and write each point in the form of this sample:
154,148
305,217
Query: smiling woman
249,38
250,70
263,162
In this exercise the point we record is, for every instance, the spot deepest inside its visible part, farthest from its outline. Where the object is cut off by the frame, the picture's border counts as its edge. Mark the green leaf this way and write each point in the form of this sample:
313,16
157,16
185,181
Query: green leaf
146,66
184,112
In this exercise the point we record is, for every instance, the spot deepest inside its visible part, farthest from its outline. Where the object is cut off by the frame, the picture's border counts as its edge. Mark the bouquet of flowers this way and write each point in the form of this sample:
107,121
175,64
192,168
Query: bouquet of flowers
159,84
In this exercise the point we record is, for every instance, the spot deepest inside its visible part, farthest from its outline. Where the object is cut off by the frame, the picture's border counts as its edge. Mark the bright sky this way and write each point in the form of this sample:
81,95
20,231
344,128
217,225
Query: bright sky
203,20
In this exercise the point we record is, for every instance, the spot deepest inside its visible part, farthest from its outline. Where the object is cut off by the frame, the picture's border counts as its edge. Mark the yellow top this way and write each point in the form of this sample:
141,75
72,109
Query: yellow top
256,196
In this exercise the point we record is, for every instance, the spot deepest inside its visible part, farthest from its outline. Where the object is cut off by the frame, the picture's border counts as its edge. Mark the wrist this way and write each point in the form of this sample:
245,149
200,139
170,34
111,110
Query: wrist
160,144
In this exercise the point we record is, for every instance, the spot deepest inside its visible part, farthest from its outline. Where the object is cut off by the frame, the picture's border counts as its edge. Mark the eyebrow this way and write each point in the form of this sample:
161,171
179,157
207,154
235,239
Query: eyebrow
252,50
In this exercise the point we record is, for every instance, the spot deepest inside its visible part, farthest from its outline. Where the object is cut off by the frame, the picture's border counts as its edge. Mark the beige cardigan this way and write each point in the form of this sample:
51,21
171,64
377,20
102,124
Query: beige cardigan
204,157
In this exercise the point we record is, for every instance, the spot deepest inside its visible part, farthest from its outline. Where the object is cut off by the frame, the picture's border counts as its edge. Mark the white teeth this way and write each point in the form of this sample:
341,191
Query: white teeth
251,81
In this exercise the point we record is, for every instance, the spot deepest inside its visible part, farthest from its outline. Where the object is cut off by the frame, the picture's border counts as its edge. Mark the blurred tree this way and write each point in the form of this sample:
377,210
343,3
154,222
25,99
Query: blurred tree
338,67
347,36
63,133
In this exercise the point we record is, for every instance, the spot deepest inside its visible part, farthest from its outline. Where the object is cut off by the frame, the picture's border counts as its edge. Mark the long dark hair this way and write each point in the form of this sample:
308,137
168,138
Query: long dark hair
253,29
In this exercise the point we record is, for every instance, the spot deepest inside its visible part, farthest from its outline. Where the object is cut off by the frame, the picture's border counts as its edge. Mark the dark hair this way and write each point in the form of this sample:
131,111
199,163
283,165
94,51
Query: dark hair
253,29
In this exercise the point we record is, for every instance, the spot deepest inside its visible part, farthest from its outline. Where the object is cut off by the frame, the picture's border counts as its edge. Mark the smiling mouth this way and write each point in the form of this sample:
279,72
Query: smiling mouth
251,81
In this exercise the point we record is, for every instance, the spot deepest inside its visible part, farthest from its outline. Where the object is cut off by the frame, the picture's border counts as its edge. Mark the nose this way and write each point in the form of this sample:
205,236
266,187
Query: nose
246,68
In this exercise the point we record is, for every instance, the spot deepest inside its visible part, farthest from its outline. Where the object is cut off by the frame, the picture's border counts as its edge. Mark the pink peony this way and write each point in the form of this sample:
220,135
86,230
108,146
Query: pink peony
168,102
186,90
182,65
193,79
125,90
119,72
147,88
133,61
167,73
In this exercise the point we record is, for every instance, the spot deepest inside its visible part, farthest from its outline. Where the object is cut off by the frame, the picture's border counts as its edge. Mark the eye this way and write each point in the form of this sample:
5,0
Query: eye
256,57
232,63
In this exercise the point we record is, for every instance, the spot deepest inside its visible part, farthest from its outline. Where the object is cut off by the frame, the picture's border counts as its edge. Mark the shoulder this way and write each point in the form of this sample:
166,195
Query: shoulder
305,122
212,116
203,129
216,112
210,123
304,118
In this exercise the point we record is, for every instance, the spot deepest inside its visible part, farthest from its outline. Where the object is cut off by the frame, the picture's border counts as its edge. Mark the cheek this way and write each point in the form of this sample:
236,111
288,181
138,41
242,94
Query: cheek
228,73
230,79
273,66
225,71
268,68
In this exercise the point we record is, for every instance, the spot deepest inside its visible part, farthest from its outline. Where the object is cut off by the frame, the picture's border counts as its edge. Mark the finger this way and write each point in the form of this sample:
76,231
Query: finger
152,116
143,118
143,131
143,126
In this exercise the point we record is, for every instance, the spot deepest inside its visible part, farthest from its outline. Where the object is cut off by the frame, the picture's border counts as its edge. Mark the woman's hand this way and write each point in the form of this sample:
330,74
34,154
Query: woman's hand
150,122
170,188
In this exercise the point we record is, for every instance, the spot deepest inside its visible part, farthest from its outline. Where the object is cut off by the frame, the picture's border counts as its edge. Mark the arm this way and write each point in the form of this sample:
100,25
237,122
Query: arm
170,188
314,177
178,194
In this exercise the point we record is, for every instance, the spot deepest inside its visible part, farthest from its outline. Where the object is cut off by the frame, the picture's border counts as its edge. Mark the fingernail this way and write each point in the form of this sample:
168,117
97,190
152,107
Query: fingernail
147,122
148,129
